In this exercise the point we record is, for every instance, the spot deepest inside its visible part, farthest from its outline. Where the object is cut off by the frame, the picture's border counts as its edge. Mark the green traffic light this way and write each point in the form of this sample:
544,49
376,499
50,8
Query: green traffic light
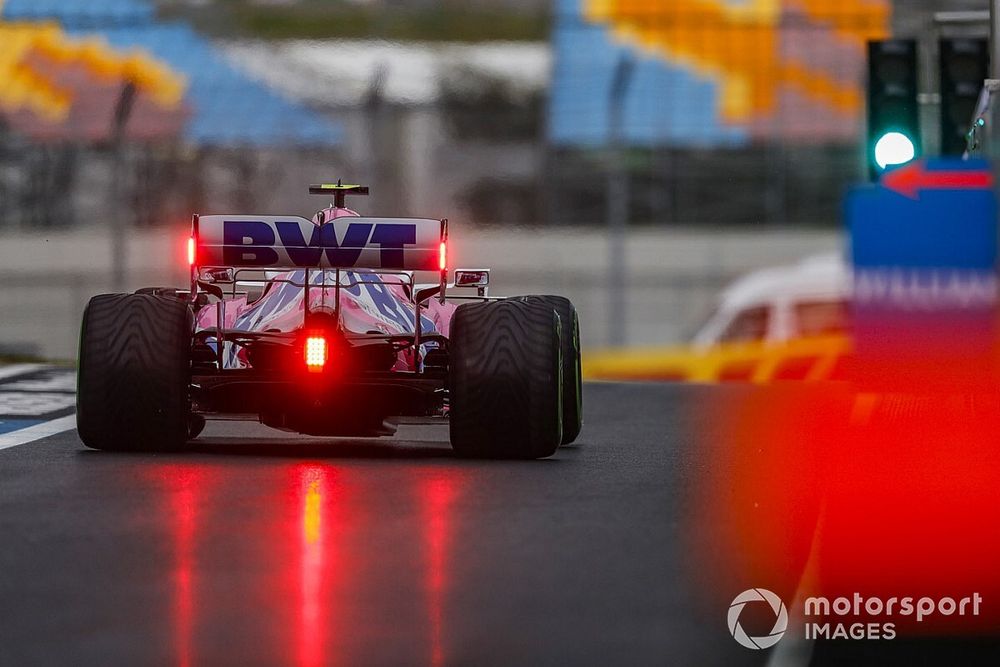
893,133
894,148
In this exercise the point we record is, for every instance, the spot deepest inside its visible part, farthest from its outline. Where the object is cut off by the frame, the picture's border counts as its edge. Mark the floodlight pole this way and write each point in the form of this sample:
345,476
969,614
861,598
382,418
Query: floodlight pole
617,205
119,221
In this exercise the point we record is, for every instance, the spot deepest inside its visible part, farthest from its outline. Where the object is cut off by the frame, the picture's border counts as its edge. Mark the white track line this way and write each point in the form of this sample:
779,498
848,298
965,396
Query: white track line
37,432
19,369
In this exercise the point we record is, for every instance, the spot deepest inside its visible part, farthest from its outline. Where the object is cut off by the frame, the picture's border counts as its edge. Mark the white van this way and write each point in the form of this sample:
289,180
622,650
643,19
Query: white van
781,303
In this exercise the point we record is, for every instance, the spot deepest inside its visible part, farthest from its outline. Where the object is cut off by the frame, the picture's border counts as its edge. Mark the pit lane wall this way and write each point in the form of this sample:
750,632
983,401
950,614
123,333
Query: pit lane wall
46,277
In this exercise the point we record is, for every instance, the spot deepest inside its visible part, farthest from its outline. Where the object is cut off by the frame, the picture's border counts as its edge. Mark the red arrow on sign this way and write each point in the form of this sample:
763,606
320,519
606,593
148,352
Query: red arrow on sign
911,179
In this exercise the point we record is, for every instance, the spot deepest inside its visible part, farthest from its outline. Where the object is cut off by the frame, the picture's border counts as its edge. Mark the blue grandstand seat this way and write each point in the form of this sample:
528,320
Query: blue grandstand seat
663,105
229,108
81,13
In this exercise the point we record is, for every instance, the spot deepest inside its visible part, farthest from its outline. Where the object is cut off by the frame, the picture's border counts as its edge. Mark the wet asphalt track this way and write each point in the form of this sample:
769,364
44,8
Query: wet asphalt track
257,548
262,549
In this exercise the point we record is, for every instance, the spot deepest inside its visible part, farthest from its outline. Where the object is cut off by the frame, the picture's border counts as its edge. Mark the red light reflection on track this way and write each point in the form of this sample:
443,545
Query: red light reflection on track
317,560
184,489
437,496
323,556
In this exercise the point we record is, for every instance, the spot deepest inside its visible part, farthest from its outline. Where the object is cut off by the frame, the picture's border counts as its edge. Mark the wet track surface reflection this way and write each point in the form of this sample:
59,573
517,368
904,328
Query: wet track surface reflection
319,563
335,563
261,548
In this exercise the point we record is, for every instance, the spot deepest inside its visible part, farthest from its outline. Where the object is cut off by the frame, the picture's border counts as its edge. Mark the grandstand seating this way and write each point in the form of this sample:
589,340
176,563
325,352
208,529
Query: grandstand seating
53,88
95,14
713,72
227,107
19,88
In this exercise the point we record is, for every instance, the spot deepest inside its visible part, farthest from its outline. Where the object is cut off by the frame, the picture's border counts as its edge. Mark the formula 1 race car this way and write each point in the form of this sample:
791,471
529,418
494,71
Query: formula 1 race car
318,327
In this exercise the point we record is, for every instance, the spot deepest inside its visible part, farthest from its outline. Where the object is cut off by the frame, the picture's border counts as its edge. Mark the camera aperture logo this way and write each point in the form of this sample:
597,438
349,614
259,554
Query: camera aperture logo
780,618
856,617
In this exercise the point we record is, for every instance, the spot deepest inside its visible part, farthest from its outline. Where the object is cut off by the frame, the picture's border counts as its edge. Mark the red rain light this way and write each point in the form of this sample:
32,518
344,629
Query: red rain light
443,256
315,353
191,251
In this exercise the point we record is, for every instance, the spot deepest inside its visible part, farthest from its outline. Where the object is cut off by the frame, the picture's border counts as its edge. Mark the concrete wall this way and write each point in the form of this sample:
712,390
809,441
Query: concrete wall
674,274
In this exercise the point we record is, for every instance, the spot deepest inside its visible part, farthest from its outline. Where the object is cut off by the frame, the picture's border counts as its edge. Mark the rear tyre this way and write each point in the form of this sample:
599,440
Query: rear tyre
572,376
132,386
506,380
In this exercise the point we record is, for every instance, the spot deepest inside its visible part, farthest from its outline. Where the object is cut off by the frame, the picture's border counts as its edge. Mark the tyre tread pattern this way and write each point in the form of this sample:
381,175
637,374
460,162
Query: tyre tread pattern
134,371
506,380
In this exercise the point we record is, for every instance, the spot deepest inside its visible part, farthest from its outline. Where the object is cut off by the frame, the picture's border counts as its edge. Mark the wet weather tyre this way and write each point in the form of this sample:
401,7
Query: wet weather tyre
505,380
132,386
572,374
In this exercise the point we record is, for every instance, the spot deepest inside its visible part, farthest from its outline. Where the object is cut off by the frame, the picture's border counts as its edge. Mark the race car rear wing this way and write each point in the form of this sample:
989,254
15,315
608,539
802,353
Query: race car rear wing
228,243
291,242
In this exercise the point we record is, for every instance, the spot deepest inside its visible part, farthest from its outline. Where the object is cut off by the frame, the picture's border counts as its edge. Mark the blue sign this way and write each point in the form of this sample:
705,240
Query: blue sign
930,214
924,254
